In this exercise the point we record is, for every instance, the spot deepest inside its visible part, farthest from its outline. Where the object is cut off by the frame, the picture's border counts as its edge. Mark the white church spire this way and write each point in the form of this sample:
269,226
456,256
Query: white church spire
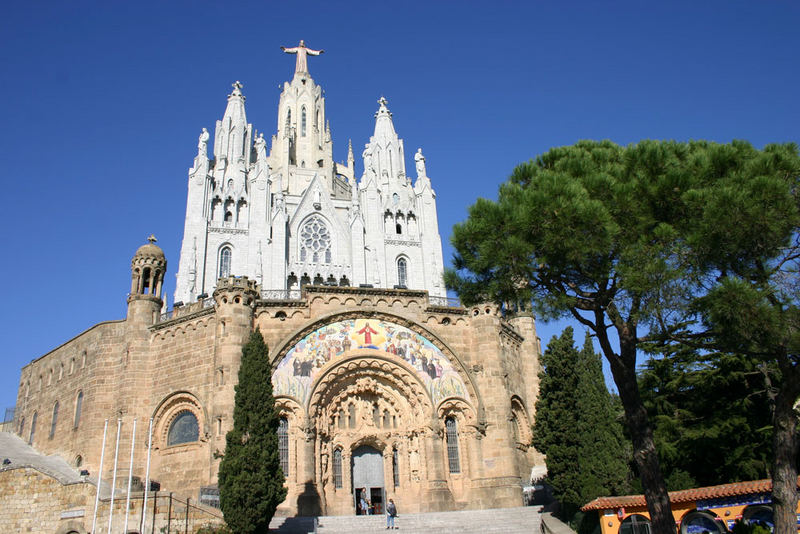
233,133
287,214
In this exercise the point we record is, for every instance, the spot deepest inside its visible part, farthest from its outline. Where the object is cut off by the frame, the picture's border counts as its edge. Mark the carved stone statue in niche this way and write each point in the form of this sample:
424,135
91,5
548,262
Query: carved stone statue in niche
413,457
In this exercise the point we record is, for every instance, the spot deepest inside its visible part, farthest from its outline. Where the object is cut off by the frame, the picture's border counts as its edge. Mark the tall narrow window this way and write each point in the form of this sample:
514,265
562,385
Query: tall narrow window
402,272
78,406
224,263
395,469
303,122
283,445
337,468
33,427
21,426
54,422
351,419
452,445
288,117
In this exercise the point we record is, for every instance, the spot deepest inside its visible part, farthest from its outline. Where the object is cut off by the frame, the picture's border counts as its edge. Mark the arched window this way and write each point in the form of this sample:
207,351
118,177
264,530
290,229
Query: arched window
315,241
635,524
184,429
303,121
288,117
760,515
452,445
337,468
402,272
54,421
701,522
224,263
78,405
283,445
33,427
351,413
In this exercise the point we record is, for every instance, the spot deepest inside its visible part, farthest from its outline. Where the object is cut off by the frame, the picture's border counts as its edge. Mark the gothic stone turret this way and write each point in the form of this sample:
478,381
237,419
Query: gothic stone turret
147,279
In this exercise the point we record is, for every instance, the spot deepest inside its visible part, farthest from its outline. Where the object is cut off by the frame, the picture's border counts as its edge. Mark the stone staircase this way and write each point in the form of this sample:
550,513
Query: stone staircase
504,520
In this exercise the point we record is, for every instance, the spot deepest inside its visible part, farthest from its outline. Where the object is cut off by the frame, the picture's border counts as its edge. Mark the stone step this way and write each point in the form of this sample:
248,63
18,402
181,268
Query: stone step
505,520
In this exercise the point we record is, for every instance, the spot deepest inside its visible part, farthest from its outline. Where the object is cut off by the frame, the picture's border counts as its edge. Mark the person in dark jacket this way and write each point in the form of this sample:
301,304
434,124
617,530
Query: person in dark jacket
391,513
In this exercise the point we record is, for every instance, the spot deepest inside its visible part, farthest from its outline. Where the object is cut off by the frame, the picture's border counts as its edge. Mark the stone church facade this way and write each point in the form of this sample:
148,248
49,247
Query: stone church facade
385,388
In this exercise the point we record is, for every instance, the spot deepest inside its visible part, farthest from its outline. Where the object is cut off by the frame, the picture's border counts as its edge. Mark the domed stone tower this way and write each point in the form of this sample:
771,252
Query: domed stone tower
147,279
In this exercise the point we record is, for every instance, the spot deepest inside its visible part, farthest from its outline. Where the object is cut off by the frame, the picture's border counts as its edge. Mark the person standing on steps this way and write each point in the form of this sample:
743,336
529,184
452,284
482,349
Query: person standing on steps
391,513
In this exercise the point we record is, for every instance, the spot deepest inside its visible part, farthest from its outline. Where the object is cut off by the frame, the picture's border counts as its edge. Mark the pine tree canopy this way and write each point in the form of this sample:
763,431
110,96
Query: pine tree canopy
251,483
650,243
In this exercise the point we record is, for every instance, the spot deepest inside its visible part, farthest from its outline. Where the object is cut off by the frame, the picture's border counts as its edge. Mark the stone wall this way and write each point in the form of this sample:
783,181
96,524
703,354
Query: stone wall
136,370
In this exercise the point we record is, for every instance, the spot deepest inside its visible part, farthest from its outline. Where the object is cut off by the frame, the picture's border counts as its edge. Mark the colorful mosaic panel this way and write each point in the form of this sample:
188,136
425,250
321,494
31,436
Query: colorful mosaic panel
298,369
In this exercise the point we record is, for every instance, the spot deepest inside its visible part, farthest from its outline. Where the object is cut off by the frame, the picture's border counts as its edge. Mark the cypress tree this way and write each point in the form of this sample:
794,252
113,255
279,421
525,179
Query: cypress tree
576,426
250,476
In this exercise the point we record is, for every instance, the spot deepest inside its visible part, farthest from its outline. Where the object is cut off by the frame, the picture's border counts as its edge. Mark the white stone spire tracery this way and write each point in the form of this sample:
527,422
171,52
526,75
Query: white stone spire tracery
250,207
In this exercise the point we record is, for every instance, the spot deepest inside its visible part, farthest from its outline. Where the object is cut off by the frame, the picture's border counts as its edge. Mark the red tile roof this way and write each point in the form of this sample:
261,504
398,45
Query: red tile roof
694,494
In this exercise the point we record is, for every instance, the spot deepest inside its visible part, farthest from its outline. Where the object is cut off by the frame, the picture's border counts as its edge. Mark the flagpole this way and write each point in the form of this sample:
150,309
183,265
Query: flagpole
114,478
99,476
130,478
147,477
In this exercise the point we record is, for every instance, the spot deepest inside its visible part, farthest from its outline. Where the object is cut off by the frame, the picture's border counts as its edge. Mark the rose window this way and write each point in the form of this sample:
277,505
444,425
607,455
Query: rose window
315,242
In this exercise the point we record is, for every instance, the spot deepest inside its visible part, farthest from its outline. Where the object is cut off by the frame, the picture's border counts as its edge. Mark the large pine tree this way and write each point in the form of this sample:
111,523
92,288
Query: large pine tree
250,477
576,426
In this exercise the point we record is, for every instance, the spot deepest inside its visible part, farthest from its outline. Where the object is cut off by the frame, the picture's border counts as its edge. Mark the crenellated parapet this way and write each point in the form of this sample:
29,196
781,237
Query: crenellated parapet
236,290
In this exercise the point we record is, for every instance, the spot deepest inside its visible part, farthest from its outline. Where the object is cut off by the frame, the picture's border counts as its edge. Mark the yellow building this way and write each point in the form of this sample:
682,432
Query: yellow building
712,509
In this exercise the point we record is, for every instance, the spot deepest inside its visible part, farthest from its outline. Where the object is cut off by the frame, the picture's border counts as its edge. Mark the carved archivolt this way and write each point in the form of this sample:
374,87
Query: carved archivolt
369,393
522,423
170,408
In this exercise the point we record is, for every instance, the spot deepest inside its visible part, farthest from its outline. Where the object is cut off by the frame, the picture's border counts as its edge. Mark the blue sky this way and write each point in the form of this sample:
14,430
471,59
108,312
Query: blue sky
102,103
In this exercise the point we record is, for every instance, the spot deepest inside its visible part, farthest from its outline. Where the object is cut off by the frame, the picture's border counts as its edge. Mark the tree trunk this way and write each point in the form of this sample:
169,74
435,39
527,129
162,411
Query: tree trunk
644,449
785,446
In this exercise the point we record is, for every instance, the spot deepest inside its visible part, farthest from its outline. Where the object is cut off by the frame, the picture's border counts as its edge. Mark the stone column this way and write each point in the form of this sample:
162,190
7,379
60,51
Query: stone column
439,497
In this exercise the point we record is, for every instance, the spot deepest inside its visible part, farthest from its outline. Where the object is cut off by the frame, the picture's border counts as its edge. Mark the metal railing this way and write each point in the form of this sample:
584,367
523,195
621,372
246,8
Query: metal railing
169,314
280,294
446,302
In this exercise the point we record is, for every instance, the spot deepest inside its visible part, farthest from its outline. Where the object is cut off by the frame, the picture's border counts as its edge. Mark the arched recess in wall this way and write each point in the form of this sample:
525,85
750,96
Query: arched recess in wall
293,421
179,419
521,423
